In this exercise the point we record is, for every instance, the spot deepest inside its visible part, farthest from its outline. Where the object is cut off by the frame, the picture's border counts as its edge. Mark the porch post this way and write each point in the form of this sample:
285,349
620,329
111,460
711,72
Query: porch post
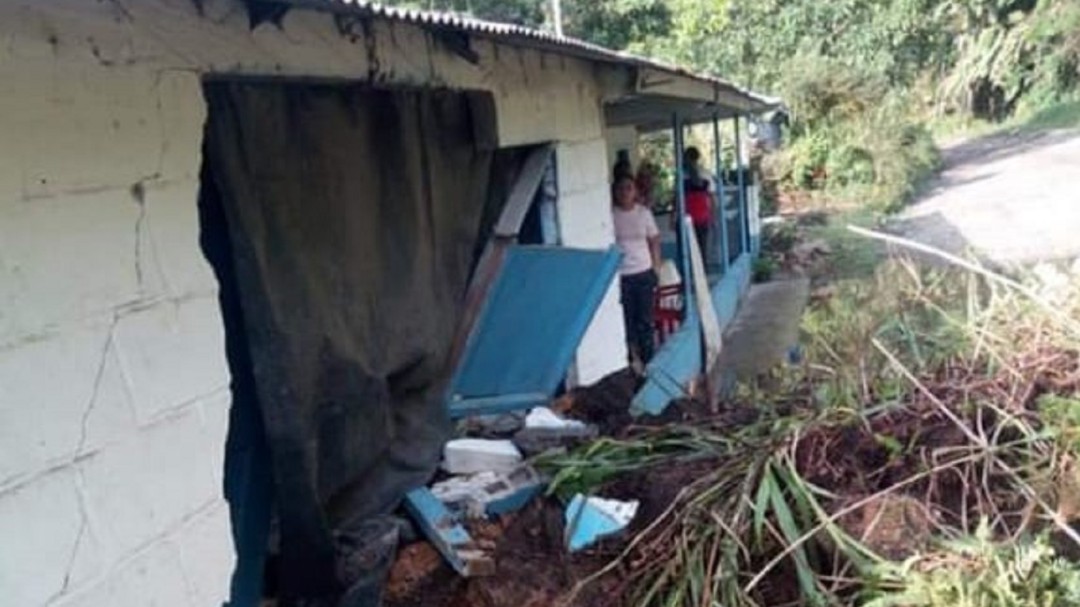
744,227
720,220
683,239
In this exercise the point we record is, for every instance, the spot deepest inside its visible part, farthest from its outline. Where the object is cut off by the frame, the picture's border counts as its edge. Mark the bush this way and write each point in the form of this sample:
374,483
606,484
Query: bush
850,138
978,572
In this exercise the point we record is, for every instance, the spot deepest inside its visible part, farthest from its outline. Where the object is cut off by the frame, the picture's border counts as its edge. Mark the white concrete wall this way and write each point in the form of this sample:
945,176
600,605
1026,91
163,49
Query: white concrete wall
113,379
585,221
622,138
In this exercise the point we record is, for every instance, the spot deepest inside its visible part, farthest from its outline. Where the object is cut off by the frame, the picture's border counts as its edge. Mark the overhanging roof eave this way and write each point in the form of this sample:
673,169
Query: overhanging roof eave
657,75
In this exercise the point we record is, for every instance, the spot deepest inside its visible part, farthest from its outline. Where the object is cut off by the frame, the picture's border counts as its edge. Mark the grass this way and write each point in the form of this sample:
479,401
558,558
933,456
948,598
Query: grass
1061,115
851,256
978,571
960,126
1064,115
916,457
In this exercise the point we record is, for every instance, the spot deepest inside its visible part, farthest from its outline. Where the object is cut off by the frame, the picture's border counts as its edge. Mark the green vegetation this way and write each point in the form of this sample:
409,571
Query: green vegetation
924,451
923,454
867,80
1064,115
977,571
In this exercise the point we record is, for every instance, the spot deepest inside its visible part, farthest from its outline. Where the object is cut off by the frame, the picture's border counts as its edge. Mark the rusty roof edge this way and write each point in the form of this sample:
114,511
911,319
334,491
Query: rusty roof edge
539,39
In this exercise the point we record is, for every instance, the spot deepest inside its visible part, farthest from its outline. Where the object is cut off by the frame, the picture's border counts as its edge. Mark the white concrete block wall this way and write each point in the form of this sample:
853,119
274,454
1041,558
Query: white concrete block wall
584,210
113,378
622,138
113,381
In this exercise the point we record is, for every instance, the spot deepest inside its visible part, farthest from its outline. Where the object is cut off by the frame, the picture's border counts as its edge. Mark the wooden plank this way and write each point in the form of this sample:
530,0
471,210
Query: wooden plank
523,192
448,536
710,323
465,407
534,316
486,271
505,234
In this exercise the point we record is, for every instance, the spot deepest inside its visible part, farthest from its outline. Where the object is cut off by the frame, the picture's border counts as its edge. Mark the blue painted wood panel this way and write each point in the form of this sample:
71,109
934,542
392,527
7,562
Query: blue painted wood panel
530,326
439,525
679,361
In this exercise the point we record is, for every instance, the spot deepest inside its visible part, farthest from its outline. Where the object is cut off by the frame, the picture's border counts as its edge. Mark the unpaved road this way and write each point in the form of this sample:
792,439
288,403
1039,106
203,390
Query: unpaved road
1008,198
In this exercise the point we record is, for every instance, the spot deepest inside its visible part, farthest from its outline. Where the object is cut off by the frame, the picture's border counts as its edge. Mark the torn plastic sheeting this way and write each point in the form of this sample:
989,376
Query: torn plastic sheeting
590,518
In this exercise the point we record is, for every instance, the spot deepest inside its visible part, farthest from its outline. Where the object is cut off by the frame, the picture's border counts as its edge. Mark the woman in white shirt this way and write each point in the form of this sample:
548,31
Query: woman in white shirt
638,239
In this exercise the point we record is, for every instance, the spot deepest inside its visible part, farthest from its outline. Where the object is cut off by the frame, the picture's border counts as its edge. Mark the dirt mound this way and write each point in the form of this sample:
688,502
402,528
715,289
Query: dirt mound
532,566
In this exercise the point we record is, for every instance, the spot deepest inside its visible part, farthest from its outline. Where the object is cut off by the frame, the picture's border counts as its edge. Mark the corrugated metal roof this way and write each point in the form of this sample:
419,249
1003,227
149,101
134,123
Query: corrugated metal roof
516,34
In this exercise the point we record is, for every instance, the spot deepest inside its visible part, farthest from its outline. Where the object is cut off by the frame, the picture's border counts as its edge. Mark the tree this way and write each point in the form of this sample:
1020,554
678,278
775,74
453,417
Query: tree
617,23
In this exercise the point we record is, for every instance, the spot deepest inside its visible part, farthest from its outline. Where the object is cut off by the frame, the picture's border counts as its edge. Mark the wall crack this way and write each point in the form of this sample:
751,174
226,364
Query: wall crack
98,377
75,548
138,192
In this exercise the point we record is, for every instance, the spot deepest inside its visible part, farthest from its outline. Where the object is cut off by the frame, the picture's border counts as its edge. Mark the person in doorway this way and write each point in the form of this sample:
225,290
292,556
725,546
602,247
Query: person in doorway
699,198
638,239
646,184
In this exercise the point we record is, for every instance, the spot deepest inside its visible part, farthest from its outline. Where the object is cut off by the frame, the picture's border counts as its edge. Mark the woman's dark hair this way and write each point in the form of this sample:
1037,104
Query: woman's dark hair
618,180
692,154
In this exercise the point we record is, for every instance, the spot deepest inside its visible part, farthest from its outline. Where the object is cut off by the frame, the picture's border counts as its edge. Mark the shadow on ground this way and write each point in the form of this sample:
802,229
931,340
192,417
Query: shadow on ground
998,146
934,230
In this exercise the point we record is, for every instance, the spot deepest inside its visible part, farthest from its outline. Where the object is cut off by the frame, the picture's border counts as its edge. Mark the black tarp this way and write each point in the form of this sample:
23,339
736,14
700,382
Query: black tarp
354,215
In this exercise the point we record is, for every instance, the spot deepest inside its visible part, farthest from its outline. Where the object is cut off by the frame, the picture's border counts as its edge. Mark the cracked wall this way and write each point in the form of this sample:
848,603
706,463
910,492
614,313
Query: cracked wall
113,380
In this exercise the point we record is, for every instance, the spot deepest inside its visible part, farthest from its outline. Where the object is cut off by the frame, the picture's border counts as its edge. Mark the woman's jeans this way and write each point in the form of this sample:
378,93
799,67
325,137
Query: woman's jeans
637,293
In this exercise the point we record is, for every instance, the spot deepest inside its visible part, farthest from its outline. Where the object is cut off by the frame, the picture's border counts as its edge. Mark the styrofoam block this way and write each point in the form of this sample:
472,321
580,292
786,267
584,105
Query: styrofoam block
471,455
543,417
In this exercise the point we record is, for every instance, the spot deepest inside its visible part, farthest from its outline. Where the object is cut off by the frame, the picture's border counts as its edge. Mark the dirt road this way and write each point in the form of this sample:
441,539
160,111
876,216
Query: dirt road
1010,198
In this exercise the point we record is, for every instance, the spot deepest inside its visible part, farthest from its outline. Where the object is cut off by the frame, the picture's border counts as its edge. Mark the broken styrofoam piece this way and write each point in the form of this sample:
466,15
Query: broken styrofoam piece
461,489
472,455
542,417
489,493
591,518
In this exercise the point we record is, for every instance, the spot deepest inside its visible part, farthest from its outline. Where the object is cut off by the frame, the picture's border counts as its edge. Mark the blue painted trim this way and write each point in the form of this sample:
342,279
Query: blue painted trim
514,502
464,407
679,360
720,221
743,219
549,372
680,214
728,292
585,524
440,526
671,370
